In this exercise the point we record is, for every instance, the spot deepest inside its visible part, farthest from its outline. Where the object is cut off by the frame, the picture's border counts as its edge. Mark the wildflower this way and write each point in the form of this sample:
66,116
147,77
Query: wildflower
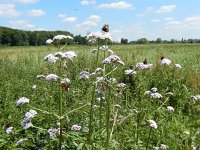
165,61
112,58
147,92
169,94
21,141
9,130
129,71
121,85
111,80
94,50
76,127
34,87
142,66
49,41
30,114
152,124
59,54
99,70
195,97
156,95
41,76
110,52
53,132
154,89
61,37
85,129
170,108
103,47
186,132
51,77
26,123
22,100
70,55
51,58
92,37
84,75
65,80
161,147
178,66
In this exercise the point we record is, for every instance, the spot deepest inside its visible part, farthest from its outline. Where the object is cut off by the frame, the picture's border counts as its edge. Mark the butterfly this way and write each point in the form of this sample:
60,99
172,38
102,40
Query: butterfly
105,28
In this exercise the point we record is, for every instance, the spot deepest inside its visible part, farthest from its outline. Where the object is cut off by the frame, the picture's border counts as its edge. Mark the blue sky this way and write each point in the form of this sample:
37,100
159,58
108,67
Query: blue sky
132,19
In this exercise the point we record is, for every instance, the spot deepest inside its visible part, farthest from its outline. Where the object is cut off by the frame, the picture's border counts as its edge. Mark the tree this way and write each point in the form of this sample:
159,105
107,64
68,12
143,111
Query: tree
158,40
142,41
124,41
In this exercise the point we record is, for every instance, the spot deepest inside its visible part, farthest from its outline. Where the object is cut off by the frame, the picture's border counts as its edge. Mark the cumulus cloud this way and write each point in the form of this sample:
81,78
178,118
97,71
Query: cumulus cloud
8,10
21,24
90,22
27,1
116,5
69,19
36,13
155,20
166,9
88,2
147,11
62,15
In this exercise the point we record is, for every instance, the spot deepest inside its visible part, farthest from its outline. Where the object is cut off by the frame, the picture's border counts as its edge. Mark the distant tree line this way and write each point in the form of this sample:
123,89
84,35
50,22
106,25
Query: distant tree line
15,37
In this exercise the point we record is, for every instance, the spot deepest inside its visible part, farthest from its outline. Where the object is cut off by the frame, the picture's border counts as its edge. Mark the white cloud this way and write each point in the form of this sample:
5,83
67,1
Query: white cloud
8,10
22,24
147,11
69,19
62,15
168,19
155,20
173,22
116,5
88,2
166,9
36,13
90,22
27,1
192,18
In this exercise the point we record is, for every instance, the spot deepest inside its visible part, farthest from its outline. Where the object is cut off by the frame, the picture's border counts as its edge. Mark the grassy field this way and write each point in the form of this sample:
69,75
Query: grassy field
110,117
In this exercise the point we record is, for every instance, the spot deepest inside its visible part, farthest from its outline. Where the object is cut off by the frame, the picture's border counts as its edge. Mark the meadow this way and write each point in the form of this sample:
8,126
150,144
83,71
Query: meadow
83,108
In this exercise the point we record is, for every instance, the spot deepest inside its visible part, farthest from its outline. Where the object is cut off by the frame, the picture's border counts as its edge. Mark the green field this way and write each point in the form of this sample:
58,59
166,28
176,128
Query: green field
124,127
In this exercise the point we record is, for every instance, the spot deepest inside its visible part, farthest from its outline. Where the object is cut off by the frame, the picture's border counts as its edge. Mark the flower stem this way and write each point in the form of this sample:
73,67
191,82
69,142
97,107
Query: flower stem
148,138
108,118
60,114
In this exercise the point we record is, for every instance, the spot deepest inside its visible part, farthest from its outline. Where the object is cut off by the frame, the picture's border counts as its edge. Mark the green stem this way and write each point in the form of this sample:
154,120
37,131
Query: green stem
148,138
114,123
108,119
91,115
100,113
60,113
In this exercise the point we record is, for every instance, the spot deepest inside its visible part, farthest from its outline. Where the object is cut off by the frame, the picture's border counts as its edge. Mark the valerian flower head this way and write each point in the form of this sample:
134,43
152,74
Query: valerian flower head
178,66
170,108
156,95
61,37
76,127
92,37
69,55
26,123
112,58
84,75
51,58
9,130
34,87
21,141
152,124
49,41
30,114
51,77
142,66
165,61
154,89
161,147
195,97
65,80
130,72
121,85
22,100
99,70
53,133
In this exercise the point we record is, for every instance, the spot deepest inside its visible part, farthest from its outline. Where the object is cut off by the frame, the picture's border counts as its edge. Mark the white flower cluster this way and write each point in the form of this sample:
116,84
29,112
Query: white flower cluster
75,127
142,66
26,122
84,75
170,108
21,141
58,37
165,61
65,80
112,58
121,85
53,132
195,97
153,93
178,66
51,77
156,95
161,147
152,124
63,55
130,72
22,100
9,130
92,37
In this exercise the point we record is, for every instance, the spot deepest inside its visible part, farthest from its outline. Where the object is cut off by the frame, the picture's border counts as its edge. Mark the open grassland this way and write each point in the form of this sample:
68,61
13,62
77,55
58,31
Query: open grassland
117,118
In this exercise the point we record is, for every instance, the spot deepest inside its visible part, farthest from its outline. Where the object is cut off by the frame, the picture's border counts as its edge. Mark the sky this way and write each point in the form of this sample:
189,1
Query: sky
131,19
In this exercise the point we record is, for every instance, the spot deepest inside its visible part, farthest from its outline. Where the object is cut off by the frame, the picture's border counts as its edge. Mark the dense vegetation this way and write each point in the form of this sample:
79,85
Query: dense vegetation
129,112
14,37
